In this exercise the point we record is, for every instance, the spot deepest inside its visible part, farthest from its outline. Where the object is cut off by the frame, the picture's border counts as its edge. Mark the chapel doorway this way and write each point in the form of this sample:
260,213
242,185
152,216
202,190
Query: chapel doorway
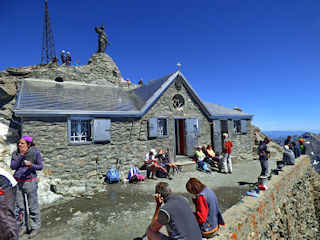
187,132
180,136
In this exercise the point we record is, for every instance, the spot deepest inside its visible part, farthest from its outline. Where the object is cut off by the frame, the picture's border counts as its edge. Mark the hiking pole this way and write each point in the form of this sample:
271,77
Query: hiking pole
27,212
141,238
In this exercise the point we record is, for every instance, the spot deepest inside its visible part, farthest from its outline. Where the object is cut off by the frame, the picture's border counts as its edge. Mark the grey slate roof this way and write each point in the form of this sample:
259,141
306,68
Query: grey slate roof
52,96
39,97
219,112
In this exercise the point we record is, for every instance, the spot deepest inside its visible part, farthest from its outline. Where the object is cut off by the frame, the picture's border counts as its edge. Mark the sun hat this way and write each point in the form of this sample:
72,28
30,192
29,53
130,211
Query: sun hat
225,135
286,147
27,138
153,151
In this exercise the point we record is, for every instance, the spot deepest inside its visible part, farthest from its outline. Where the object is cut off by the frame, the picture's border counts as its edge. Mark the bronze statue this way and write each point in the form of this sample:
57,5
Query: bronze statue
102,40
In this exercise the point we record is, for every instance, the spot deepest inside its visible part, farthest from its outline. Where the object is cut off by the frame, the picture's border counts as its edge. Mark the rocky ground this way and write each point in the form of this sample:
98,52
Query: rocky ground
123,211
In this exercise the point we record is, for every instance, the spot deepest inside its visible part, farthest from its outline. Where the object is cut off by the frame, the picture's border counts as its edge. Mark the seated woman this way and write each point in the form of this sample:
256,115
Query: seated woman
210,157
207,212
199,154
288,156
152,165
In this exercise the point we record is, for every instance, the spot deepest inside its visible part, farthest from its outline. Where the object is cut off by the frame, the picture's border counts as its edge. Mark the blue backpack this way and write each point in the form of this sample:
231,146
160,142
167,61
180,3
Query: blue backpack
133,171
112,176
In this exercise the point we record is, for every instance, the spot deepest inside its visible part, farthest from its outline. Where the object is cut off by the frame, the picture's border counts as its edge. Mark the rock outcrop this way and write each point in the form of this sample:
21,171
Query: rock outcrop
100,70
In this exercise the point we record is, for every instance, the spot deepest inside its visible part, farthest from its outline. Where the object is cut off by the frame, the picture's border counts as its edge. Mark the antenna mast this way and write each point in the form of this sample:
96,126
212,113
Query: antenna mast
48,52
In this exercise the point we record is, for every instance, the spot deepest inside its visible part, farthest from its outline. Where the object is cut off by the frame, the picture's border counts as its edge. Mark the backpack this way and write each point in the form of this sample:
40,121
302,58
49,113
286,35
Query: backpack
112,176
134,175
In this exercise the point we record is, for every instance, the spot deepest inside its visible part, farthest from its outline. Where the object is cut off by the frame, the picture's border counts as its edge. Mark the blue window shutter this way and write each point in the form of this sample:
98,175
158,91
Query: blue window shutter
197,124
101,130
217,136
244,126
153,127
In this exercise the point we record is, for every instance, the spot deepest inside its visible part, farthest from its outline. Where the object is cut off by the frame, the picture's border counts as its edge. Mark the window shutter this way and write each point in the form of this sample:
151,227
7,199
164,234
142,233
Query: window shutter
197,128
217,136
244,126
153,127
101,130
190,136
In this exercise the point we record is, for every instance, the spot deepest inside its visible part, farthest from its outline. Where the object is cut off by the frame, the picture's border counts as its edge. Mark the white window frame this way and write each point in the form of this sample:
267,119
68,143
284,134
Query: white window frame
79,139
160,130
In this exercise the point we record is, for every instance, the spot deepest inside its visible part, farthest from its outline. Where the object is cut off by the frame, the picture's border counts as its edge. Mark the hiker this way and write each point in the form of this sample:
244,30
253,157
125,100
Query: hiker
62,57
26,160
264,156
174,212
151,164
288,156
288,142
8,223
206,204
164,161
296,149
199,154
227,150
68,59
301,146
211,157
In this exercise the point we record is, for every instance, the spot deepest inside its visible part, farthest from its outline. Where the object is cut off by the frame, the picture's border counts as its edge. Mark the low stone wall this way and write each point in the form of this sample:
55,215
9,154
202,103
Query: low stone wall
289,209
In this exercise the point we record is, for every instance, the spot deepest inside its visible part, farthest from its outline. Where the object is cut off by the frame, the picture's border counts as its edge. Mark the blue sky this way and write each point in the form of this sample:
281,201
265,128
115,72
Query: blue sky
262,56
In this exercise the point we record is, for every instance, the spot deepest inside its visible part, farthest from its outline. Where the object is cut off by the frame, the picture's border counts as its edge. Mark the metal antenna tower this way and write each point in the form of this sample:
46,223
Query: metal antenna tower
48,52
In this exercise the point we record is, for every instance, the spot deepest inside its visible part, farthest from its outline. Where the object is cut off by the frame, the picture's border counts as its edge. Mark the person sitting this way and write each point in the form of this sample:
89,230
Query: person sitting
210,157
152,165
164,161
173,212
207,211
198,154
288,156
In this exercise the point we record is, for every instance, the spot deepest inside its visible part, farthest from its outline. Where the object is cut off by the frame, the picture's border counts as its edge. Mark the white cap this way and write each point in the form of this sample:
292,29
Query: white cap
68,53
286,147
62,51
225,135
153,151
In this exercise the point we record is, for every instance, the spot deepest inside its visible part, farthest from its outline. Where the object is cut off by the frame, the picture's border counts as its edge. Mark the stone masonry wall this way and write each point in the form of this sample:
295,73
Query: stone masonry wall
289,209
128,146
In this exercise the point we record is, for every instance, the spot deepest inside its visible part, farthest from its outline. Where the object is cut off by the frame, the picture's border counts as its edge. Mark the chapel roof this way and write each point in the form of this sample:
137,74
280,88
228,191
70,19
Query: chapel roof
46,98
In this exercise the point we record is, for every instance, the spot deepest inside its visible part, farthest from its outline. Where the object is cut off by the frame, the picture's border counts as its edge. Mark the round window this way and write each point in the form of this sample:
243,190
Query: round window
177,101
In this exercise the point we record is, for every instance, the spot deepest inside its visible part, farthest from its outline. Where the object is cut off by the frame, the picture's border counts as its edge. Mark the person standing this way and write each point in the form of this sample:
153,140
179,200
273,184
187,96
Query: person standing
8,189
68,59
26,161
227,145
264,156
207,211
174,212
62,57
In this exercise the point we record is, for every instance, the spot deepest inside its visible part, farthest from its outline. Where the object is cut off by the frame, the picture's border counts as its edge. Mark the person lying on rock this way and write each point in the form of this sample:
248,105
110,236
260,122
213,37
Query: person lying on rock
174,212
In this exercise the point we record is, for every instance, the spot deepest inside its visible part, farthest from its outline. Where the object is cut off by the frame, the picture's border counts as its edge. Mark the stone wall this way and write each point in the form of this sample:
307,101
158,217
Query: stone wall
289,209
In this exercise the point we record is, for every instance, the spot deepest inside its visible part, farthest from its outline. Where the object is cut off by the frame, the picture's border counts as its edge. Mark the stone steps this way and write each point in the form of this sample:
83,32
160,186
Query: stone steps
185,163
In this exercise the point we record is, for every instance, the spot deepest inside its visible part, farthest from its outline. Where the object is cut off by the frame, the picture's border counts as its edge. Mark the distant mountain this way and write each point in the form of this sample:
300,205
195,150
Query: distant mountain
285,133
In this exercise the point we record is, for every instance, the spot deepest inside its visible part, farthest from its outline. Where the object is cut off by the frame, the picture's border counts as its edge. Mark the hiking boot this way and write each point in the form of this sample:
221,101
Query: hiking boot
34,233
154,178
